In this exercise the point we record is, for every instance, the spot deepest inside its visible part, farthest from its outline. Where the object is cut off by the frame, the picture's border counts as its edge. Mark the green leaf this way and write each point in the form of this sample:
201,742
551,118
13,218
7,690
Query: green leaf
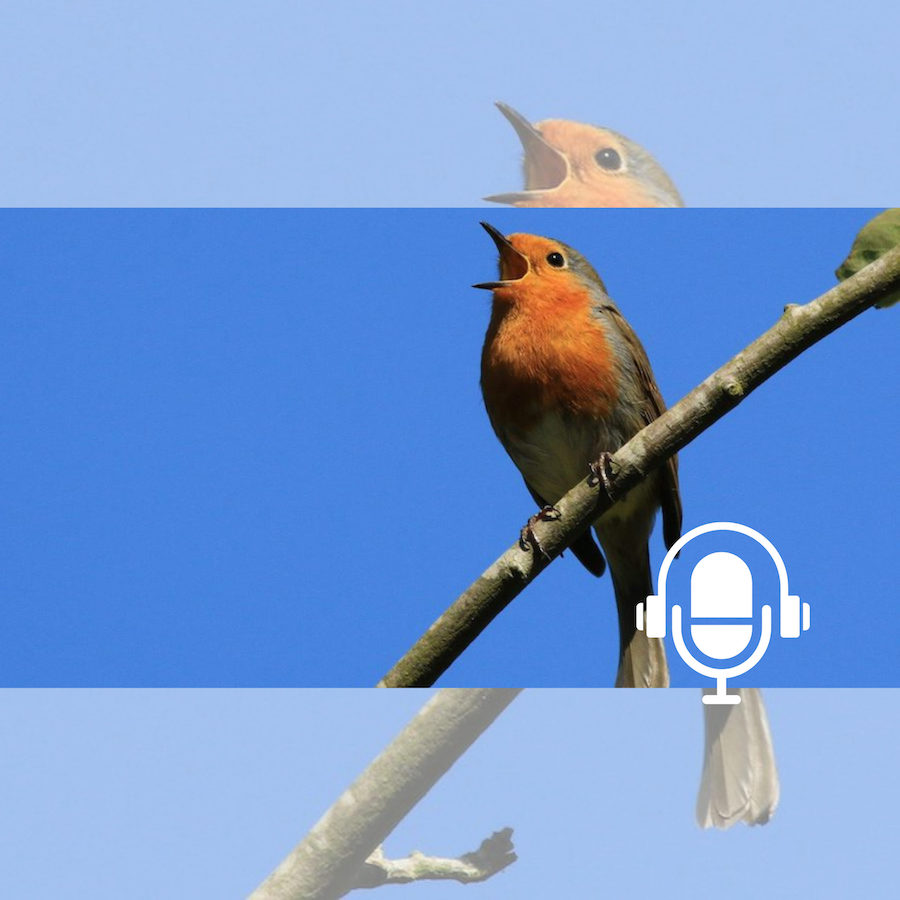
874,239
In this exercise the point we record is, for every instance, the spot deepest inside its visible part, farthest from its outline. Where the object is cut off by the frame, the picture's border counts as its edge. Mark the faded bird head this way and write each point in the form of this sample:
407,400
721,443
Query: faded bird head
573,164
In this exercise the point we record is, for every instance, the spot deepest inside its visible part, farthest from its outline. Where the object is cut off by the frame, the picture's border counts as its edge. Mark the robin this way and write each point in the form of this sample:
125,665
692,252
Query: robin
573,164
565,380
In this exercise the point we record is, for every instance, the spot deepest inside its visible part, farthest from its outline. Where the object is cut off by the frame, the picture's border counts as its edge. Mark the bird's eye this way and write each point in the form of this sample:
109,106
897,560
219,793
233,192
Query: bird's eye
556,259
608,159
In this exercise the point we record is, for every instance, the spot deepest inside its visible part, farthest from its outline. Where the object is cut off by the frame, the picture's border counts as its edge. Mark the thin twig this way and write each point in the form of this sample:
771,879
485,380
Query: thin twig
326,864
494,855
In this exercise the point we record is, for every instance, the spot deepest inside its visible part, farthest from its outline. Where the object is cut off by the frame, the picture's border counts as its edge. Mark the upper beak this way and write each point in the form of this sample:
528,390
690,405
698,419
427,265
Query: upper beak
513,265
545,166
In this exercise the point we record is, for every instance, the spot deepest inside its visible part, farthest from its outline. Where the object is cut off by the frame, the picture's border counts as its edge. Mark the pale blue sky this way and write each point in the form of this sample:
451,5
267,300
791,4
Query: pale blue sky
218,102
199,794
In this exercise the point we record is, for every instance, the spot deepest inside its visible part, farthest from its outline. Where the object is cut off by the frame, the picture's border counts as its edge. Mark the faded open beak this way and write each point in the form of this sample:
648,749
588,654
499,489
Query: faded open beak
513,265
545,166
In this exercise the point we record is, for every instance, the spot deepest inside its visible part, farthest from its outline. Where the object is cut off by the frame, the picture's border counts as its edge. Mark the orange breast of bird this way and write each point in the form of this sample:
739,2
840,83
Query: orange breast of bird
546,351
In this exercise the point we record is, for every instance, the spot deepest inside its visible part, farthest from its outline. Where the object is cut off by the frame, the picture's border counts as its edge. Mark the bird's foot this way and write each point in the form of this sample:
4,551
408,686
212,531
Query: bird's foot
602,473
527,537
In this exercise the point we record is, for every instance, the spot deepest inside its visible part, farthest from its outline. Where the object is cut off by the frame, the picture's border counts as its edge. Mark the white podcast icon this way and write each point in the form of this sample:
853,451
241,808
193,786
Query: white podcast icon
723,581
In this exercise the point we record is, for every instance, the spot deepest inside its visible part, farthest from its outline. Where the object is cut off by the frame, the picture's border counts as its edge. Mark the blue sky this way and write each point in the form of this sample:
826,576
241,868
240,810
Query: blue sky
247,448
219,102
201,793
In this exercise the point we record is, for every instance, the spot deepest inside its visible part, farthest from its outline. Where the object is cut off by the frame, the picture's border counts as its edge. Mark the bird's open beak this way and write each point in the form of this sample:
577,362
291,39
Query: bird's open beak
513,265
545,166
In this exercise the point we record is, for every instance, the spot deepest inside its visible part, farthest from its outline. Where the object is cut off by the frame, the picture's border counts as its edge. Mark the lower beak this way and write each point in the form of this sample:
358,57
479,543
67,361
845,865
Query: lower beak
513,265
514,198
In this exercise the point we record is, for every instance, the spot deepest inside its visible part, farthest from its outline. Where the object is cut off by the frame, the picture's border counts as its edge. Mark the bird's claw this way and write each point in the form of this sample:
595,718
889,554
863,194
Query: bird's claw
528,539
601,473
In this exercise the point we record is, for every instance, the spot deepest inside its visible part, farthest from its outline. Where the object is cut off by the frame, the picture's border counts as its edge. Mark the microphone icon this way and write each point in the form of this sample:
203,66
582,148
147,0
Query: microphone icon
721,610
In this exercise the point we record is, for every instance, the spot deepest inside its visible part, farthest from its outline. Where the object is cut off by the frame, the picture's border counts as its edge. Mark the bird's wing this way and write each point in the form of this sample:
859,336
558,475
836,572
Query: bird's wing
669,499
583,547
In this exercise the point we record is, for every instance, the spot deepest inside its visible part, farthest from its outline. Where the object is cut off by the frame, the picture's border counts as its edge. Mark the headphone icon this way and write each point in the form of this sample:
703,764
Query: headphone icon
794,615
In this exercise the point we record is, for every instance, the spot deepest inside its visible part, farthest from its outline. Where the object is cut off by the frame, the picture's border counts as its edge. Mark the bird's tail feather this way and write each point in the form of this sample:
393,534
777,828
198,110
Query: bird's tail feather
739,781
642,663
642,660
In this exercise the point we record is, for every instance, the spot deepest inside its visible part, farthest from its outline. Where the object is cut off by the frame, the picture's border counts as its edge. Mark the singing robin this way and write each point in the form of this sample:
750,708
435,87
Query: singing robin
573,164
566,380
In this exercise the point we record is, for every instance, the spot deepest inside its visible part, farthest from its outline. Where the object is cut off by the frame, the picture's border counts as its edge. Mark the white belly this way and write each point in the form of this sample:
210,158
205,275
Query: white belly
556,454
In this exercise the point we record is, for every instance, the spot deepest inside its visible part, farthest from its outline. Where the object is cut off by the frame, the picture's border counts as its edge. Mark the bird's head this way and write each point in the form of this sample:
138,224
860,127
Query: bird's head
538,272
573,164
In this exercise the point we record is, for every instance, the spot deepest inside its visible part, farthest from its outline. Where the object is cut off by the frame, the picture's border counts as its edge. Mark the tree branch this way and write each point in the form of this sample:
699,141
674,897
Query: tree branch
327,863
494,855
798,328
